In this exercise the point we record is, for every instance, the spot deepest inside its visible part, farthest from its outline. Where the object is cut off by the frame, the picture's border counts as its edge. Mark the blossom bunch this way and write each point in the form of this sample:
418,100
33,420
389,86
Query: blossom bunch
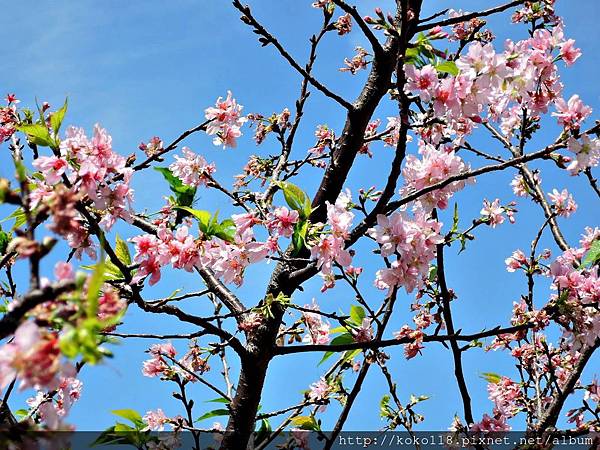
226,121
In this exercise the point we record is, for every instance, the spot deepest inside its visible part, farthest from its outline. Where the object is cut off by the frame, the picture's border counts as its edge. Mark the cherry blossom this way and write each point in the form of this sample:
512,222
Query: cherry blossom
281,221
357,62
587,153
564,204
493,212
156,420
192,169
225,121
571,113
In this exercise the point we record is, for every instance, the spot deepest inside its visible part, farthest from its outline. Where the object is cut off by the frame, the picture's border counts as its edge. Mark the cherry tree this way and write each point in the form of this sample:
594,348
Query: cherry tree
449,80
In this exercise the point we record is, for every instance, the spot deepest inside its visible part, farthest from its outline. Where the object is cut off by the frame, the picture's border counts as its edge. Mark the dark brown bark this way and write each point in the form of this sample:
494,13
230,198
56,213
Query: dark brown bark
261,344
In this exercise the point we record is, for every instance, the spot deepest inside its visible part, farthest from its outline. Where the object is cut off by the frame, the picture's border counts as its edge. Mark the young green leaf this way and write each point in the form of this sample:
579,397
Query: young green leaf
447,67
131,415
344,338
306,423
491,377
296,198
357,314
213,413
57,117
593,254
37,134
122,251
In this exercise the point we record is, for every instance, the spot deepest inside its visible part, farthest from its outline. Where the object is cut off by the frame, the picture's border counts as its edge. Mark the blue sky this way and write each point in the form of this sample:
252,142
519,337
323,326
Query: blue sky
145,68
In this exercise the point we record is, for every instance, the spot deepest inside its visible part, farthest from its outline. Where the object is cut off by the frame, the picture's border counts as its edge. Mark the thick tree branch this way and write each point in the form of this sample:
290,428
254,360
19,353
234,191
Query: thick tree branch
11,320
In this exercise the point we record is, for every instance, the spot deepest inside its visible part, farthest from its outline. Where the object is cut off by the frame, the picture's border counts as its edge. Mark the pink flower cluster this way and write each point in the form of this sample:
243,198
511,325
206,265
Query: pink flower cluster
357,62
34,356
563,202
52,411
153,252
433,167
498,86
587,153
412,241
159,364
8,118
228,260
330,249
344,24
317,331
88,165
281,221
325,139
579,288
226,120
192,169
494,213
155,420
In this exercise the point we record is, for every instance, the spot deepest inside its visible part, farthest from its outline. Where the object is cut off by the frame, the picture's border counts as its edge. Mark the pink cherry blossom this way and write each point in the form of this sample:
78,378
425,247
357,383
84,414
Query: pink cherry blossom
317,329
423,81
226,121
282,220
344,24
490,425
570,114
516,261
413,241
192,169
363,333
433,167
564,204
319,390
357,62
155,420
51,167
587,153
493,212
569,52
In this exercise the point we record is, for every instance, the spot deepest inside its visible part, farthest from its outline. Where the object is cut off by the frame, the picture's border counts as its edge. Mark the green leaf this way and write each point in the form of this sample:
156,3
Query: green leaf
384,406
491,377
263,432
455,220
213,413
210,225
218,400
37,134
122,251
184,195
57,117
21,413
447,67
296,198
306,423
299,236
593,254
4,240
131,415
226,230
94,286
19,216
345,338
202,216
357,314
351,354
338,330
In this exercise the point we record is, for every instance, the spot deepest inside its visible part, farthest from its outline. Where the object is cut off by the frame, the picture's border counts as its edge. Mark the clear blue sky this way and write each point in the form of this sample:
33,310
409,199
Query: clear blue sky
145,68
